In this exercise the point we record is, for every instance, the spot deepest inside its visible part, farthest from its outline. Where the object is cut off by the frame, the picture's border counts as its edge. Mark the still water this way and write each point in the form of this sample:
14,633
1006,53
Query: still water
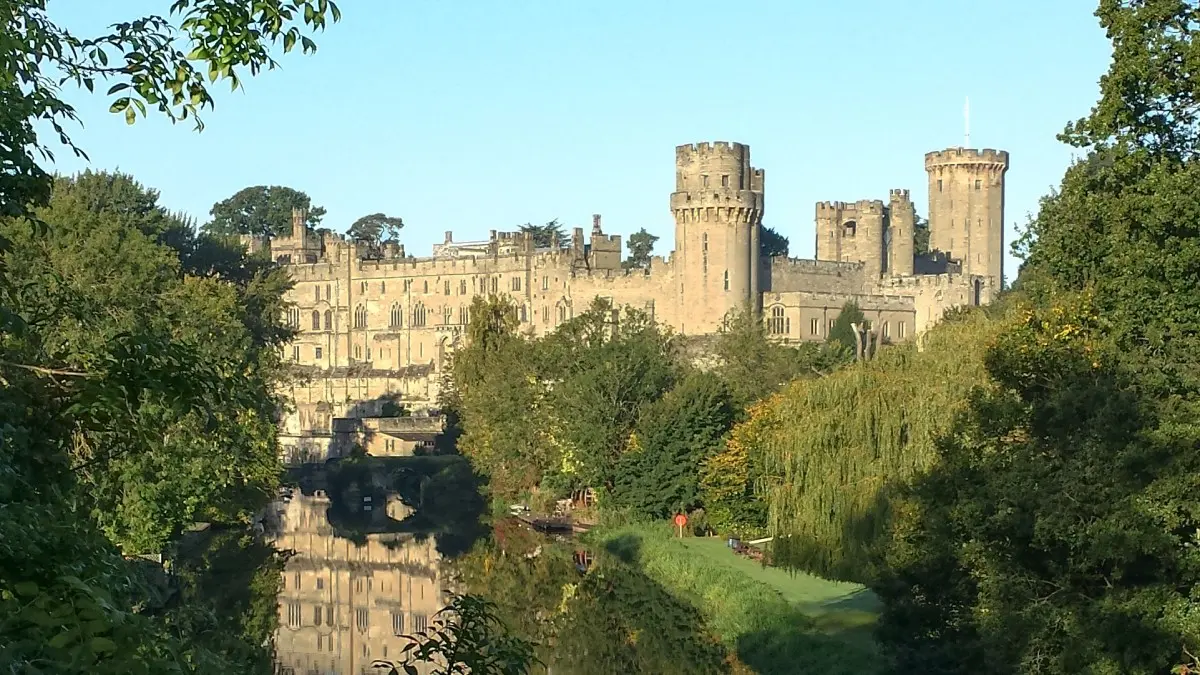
374,545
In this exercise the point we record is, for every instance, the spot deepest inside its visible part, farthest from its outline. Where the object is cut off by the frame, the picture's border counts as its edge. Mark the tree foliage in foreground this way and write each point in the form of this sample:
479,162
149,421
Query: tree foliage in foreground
104,392
845,442
1061,531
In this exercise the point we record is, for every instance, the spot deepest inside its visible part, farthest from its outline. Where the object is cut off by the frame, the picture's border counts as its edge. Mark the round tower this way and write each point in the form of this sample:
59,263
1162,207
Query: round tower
718,208
966,209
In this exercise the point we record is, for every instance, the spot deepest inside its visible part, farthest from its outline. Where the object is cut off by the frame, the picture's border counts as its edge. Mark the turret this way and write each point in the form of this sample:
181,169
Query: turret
966,209
852,232
901,225
718,209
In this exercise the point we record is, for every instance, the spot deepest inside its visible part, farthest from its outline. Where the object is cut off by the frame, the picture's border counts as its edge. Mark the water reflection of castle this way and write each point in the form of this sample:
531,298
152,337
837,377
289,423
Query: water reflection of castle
343,605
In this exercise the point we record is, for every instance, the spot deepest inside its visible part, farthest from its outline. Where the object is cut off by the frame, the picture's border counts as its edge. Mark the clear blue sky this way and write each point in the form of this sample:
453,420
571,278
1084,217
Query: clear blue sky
477,115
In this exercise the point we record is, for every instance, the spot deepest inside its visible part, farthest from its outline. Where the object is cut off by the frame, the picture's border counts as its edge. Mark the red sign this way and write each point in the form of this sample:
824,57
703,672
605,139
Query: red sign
680,520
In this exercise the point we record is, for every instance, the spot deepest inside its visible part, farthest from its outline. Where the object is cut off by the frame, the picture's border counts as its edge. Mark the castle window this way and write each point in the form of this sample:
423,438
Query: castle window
495,284
516,283
887,329
425,286
360,317
704,241
407,285
939,185
849,228
725,181
778,323
726,279
447,314
831,325
814,327
462,287
317,291
397,316
900,329
464,315
328,320
363,287
704,180
545,283
978,184
296,353
397,623
317,352
382,287
360,619
317,616
545,314
357,352
293,614
328,292
523,314
418,317
446,288
316,320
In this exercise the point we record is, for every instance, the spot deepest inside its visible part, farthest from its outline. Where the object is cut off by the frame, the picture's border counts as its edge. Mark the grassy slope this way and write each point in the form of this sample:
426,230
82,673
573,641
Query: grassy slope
776,622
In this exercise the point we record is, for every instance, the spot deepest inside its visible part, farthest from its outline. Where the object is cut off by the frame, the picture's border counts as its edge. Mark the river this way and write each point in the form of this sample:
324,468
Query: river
373,545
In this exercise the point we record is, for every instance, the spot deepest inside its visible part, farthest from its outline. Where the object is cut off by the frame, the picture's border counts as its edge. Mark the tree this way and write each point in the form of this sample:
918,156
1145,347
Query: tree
263,211
467,636
545,235
920,235
1059,532
836,448
772,243
640,245
144,64
110,430
754,367
375,229
843,331
660,472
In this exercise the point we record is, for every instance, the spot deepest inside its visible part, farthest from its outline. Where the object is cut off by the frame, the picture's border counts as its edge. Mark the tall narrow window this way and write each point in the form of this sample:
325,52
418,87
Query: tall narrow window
425,286
317,353
462,287
397,316
939,185
446,287
317,291
726,279
418,317
360,317
725,181
777,324
814,327
361,619
382,287
328,320
328,292
316,320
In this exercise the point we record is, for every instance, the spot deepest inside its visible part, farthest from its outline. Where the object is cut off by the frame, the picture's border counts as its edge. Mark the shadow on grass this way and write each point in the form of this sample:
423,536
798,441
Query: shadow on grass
768,635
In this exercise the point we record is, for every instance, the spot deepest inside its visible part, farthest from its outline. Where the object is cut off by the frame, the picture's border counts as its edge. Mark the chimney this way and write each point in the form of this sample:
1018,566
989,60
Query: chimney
449,237
596,224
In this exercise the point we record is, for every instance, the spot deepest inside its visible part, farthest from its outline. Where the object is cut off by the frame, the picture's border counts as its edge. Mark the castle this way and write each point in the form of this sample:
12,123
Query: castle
378,323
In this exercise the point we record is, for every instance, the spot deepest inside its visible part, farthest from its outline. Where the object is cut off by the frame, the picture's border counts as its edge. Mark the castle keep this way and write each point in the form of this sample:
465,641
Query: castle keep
373,324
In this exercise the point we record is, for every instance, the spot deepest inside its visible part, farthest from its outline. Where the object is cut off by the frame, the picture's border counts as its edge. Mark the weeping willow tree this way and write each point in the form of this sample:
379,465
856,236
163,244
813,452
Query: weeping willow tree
845,442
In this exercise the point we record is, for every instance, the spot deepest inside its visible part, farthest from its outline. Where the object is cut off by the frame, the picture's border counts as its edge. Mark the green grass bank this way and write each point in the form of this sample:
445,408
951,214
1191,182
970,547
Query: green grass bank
775,621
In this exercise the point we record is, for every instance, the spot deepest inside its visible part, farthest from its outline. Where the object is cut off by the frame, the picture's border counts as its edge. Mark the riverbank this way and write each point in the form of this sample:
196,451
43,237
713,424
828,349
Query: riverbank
774,621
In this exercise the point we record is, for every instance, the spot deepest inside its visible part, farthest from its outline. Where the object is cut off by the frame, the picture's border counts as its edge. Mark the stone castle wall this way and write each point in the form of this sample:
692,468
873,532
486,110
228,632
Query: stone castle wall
374,326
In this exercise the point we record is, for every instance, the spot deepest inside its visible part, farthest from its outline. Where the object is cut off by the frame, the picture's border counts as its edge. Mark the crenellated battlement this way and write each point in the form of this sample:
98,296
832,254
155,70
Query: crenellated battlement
862,206
898,195
956,156
707,149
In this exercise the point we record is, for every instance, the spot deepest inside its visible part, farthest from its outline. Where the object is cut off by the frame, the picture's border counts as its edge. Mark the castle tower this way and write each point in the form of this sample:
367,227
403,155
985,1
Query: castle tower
718,209
902,217
852,232
966,209
299,223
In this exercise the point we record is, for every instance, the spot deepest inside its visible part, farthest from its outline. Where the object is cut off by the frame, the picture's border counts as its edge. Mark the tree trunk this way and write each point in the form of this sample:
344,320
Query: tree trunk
858,341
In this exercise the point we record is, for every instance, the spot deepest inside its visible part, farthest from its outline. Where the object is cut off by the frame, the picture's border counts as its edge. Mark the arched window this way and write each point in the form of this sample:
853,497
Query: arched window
418,316
328,320
397,317
849,228
778,324
360,317
523,314
447,314
316,320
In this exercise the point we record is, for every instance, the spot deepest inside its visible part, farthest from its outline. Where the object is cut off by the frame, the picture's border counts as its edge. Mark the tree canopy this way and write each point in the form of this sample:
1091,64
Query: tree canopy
262,210
641,246
376,229
545,235
138,361
772,243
